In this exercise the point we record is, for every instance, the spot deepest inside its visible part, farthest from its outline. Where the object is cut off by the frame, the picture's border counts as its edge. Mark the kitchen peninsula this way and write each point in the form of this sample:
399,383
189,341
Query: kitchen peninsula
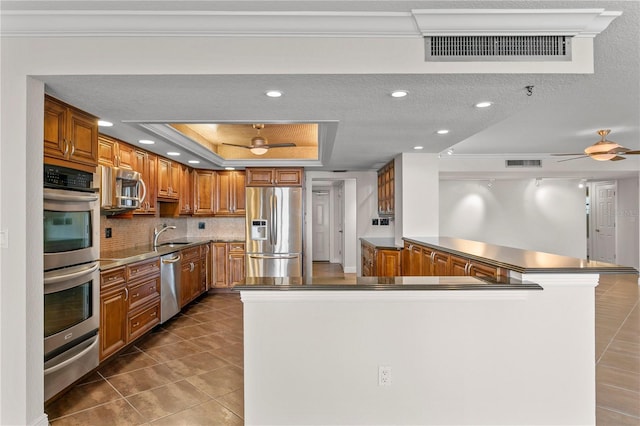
519,349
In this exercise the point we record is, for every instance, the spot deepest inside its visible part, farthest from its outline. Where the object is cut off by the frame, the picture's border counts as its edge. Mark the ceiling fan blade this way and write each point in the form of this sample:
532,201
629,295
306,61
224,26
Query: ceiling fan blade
279,145
238,146
575,158
578,153
632,153
617,158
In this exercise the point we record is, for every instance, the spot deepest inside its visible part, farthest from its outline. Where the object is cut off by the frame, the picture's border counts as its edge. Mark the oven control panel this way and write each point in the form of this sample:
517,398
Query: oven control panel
63,177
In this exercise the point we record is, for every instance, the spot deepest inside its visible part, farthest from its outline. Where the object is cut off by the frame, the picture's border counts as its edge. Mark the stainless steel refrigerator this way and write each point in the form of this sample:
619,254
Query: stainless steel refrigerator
274,232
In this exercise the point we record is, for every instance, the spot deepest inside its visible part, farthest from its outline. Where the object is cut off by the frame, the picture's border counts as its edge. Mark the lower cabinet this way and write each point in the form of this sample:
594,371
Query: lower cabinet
129,304
421,260
228,264
380,262
193,273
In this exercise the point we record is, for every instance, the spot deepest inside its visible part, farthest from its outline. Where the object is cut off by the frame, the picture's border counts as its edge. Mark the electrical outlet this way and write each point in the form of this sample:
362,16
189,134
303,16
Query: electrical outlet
384,375
374,222
384,221
107,232
200,225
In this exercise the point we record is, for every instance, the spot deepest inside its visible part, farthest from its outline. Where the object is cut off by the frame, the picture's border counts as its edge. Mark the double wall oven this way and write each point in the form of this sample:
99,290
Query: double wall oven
71,277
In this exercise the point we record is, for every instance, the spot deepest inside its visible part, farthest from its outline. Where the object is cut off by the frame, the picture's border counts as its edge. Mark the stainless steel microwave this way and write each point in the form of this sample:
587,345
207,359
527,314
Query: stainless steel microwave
120,189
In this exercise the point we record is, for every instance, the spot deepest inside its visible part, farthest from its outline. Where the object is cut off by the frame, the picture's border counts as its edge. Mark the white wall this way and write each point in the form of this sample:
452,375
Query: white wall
416,195
550,217
627,229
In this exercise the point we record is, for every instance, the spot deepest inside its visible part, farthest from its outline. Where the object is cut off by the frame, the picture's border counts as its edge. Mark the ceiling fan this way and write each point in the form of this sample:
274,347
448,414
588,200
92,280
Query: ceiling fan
259,144
603,150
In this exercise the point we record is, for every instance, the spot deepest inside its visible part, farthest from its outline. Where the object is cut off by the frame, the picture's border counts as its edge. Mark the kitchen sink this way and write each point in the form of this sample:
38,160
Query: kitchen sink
173,244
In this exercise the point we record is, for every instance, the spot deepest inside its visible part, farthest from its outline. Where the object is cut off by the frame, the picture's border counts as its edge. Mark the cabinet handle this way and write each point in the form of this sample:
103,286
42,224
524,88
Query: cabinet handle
73,147
135,324
191,267
135,271
66,147
126,294
152,288
112,278
136,295
154,313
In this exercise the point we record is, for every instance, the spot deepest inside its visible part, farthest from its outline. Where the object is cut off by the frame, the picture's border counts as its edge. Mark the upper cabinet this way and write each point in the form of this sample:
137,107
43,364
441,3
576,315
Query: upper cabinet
229,193
115,153
203,188
264,176
386,190
187,203
146,164
168,183
70,136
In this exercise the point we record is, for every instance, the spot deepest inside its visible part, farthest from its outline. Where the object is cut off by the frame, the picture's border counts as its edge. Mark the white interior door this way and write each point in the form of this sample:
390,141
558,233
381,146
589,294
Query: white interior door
338,238
320,225
604,222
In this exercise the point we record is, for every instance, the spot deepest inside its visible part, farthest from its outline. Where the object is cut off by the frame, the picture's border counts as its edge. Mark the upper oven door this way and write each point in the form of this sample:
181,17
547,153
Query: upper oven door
70,225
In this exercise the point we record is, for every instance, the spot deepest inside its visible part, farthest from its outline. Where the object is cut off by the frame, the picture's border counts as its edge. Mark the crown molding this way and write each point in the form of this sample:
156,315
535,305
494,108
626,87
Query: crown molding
411,24
70,23
486,22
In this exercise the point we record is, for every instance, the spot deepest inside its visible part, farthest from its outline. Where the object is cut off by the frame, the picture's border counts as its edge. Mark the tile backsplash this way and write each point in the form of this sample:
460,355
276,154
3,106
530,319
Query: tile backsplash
138,231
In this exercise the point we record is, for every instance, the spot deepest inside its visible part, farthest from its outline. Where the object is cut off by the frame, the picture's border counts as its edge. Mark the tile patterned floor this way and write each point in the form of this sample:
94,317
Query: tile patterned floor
190,370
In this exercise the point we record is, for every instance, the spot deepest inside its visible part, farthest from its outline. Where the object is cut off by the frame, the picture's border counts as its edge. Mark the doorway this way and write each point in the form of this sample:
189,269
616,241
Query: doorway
602,238
320,203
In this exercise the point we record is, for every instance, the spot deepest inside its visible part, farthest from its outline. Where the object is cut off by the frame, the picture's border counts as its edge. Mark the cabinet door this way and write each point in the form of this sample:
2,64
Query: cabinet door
113,321
482,270
204,192
55,145
288,177
388,263
223,202
186,190
238,192
236,267
458,266
186,281
164,177
260,177
174,181
107,151
126,156
142,320
151,183
412,260
83,134
219,264
427,262
441,264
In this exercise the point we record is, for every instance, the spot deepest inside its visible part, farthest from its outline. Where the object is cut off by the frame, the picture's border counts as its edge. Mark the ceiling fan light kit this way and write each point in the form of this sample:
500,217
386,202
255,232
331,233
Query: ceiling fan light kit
259,144
604,150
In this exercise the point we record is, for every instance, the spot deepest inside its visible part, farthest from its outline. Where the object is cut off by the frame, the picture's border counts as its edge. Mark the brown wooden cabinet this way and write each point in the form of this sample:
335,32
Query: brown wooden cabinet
263,176
386,190
204,182
168,183
116,153
229,197
411,260
146,164
129,304
228,263
70,136
380,262
190,271
187,202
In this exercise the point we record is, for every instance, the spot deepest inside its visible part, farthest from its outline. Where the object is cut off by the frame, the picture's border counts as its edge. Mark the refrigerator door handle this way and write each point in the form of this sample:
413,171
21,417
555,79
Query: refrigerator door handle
271,220
288,256
275,220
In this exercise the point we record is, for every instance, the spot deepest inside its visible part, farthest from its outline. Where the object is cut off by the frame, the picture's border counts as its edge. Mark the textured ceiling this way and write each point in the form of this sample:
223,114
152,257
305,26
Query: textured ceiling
562,115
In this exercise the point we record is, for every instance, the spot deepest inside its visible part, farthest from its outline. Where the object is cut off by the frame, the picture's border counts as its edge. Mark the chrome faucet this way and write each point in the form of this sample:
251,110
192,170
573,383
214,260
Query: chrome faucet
157,233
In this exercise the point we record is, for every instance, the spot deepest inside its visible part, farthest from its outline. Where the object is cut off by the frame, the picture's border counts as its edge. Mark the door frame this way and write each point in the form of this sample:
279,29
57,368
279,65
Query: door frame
592,222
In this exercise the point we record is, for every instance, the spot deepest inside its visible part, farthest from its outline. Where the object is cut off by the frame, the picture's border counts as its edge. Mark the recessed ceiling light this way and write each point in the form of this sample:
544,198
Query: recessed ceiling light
193,162
273,93
173,153
418,148
146,142
399,93
103,123
484,104
442,132
229,168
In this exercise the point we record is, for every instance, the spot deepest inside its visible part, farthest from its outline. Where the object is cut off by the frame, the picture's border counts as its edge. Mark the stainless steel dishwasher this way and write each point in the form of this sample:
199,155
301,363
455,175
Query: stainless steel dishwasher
169,285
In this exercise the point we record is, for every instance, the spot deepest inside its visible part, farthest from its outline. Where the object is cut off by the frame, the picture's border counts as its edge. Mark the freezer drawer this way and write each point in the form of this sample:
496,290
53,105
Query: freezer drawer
273,265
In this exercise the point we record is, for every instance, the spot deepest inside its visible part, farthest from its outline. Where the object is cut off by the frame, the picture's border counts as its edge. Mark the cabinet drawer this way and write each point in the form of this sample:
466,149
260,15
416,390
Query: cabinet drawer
112,277
236,247
190,254
141,269
143,291
143,320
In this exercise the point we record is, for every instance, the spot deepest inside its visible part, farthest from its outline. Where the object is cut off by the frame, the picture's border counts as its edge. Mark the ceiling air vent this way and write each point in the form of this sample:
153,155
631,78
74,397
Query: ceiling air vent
498,48
523,163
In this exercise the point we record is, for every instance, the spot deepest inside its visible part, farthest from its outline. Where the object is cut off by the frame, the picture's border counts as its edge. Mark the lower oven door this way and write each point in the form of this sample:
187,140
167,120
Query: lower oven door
71,320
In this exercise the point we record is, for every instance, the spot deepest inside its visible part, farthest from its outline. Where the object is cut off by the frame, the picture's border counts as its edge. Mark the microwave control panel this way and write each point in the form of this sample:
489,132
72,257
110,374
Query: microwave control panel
62,177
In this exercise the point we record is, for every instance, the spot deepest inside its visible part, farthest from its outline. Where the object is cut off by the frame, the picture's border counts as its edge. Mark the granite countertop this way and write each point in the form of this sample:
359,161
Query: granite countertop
380,283
519,260
384,243
124,256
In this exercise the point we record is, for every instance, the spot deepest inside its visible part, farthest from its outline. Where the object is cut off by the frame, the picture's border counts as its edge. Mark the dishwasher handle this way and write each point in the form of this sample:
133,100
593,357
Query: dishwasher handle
172,260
